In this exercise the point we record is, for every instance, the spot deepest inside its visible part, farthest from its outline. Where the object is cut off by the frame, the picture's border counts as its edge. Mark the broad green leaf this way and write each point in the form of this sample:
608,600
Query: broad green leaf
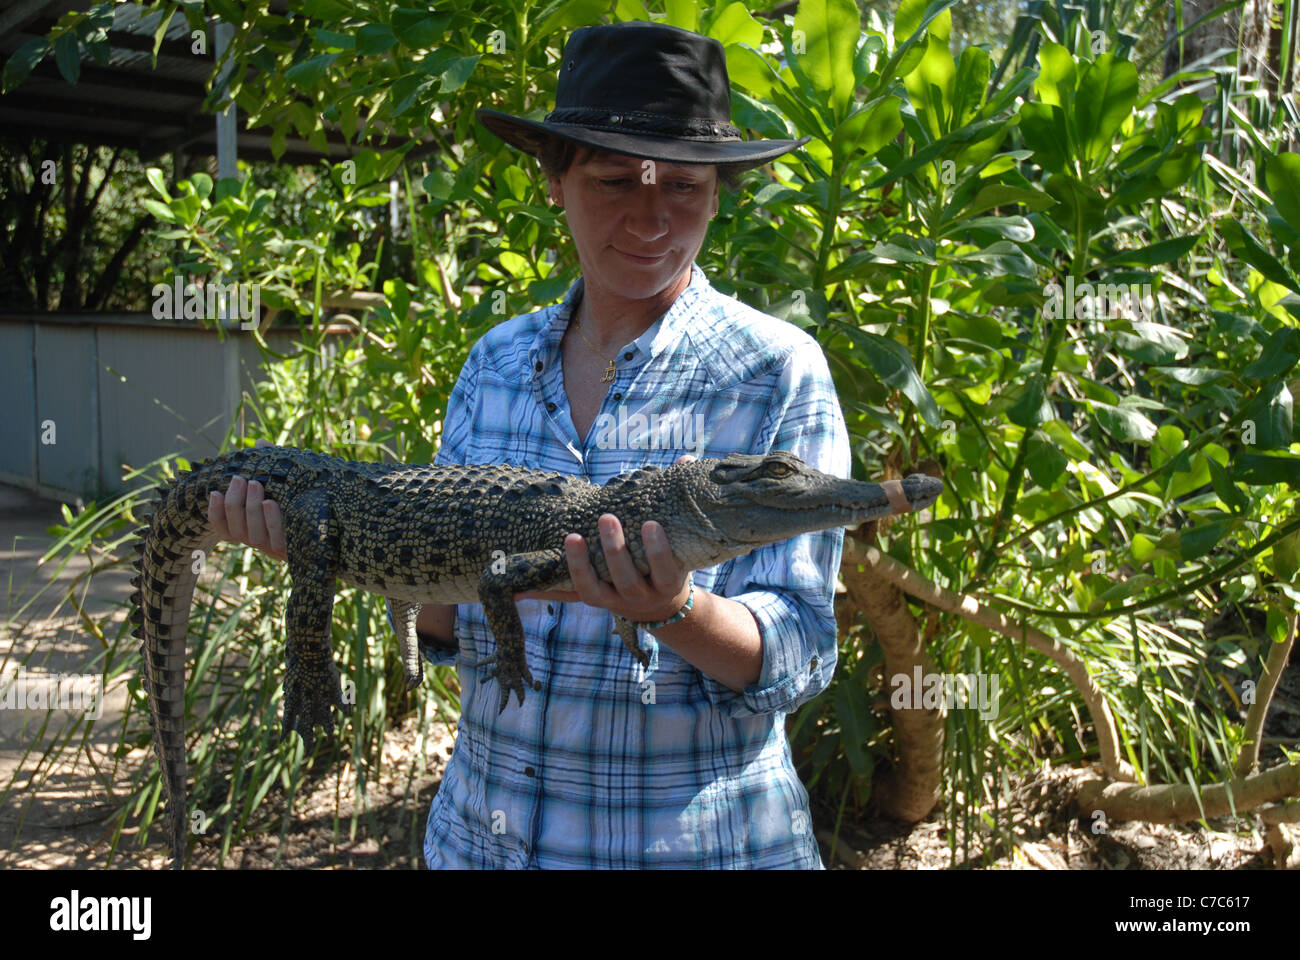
375,38
630,10
1279,355
1003,258
1012,228
160,211
682,13
580,13
202,185
1032,407
157,181
1045,460
1154,343
1124,423
1060,431
67,53
1055,82
830,36
420,30
1166,251
1272,415
1282,175
326,9
310,72
341,41
1243,243
1001,194
868,130
893,365
457,72
1224,487
1257,469
1043,127
748,69
1286,557
1107,92
930,86
18,66
1204,537
735,25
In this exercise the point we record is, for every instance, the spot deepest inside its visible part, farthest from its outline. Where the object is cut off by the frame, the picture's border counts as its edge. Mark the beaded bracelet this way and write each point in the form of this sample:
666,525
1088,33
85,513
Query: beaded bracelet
679,615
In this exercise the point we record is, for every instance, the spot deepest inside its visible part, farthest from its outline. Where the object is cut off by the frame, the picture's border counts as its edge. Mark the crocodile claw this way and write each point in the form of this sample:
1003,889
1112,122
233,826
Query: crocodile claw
413,680
511,676
309,699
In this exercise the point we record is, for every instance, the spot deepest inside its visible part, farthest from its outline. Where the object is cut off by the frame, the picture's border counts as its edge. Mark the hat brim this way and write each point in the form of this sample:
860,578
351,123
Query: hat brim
530,135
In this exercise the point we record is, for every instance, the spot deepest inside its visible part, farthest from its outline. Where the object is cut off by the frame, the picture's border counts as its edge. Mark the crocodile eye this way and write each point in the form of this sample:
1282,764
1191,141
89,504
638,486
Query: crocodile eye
779,470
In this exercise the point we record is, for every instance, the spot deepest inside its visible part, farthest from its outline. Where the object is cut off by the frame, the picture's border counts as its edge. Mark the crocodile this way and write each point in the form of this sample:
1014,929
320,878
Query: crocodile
452,534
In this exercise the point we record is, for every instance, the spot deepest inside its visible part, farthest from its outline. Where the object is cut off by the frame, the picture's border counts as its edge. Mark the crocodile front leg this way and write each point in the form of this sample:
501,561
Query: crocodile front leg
404,622
519,573
627,633
311,682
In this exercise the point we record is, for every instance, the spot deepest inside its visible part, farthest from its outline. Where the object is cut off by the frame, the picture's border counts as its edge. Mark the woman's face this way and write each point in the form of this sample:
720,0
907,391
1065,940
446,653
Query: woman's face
637,224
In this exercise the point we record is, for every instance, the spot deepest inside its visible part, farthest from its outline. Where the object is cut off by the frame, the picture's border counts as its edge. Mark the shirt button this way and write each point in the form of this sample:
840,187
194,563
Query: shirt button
539,366
550,407
529,772
550,609
629,355
618,397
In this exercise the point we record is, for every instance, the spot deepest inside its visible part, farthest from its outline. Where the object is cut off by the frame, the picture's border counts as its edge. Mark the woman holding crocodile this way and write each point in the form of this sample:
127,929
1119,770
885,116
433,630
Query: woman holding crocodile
607,763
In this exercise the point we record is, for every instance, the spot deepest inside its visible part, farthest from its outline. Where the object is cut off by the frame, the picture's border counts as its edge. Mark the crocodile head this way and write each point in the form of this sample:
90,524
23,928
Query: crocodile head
755,499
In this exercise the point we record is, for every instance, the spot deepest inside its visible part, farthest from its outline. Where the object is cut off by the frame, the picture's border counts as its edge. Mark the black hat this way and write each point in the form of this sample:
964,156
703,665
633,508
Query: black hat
645,89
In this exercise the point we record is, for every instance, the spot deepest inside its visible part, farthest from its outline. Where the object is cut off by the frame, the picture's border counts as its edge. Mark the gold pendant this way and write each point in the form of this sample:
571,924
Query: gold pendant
609,373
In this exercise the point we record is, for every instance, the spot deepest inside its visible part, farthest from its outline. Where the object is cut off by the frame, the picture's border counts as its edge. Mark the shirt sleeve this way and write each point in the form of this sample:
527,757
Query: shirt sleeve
452,447
789,586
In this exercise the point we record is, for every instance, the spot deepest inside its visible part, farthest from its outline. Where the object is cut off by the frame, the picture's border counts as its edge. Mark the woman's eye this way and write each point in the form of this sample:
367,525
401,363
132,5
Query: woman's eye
613,183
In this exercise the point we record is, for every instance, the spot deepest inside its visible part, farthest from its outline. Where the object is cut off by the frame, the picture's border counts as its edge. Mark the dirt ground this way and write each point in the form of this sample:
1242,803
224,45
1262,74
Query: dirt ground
63,823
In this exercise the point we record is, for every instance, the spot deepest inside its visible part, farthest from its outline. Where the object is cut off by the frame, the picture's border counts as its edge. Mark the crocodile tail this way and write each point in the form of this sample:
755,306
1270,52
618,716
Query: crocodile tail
172,548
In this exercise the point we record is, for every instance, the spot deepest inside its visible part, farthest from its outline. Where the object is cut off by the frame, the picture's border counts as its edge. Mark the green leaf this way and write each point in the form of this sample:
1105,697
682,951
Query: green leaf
579,13
1043,127
1055,82
856,726
1107,92
1282,175
1045,460
830,35
1286,557
202,185
1124,423
457,72
1013,228
869,130
748,69
375,38
157,181
1032,407
1243,243
1280,354
1223,486
420,30
1001,195
310,72
893,365
680,13
1204,537
328,38
1272,415
67,53
24,59
160,210
1166,251
735,25
326,9
1256,469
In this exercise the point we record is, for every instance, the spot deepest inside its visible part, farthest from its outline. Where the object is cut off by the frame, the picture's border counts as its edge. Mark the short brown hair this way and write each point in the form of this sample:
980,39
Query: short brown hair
557,154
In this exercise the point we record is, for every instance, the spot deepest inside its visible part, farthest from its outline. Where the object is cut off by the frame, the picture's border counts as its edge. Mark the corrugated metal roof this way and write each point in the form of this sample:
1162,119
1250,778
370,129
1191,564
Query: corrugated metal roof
128,102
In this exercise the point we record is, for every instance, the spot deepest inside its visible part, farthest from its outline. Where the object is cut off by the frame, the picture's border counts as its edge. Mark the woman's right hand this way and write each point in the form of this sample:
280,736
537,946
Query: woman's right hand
243,515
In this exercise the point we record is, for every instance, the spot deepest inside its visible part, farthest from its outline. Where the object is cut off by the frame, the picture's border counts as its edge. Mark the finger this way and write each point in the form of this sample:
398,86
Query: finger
666,573
254,517
235,521
686,458
622,569
590,588
274,530
217,515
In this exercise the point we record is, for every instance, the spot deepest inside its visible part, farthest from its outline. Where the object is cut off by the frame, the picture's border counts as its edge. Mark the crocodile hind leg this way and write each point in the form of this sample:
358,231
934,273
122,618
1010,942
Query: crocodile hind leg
404,621
519,573
311,682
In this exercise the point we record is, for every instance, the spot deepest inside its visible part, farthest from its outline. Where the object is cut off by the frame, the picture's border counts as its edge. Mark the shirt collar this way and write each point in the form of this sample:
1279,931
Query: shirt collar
656,337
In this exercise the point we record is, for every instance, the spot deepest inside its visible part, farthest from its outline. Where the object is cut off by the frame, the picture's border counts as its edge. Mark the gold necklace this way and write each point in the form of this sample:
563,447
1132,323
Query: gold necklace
609,370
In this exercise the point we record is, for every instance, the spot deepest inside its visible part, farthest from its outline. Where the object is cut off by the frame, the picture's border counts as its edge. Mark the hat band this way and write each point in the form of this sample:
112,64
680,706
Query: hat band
681,128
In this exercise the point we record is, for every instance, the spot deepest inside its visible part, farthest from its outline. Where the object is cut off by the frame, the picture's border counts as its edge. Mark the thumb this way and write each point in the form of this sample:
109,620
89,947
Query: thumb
685,458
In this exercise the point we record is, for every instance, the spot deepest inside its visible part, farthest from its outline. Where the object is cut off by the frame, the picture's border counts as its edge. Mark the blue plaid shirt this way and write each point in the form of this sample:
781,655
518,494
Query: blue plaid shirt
611,765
